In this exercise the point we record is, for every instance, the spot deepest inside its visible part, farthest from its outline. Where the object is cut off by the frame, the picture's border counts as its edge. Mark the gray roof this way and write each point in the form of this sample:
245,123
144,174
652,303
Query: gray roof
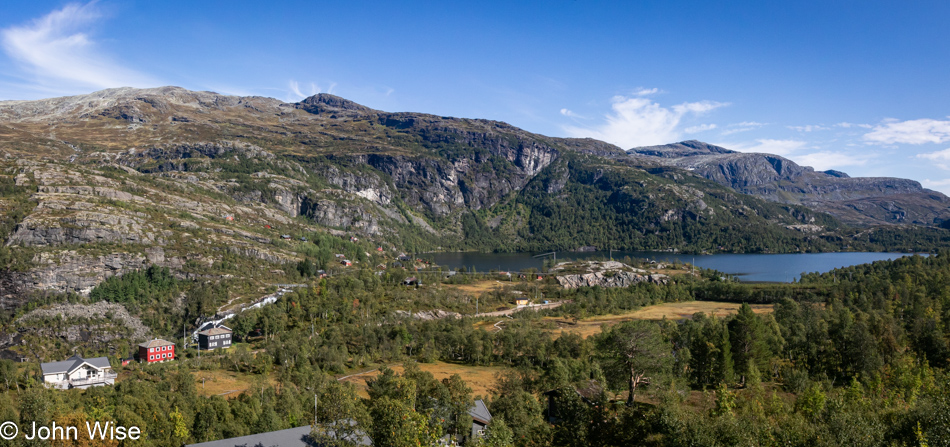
480,412
292,437
155,343
220,330
72,363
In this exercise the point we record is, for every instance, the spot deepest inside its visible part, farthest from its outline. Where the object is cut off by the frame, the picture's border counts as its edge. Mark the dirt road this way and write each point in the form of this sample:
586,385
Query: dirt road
501,313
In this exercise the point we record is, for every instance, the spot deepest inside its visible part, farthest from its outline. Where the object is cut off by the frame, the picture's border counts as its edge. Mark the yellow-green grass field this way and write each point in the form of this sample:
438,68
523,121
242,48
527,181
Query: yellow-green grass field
224,383
479,378
479,287
671,311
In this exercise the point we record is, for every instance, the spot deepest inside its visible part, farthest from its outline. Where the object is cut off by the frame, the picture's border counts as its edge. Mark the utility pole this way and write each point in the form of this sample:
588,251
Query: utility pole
314,409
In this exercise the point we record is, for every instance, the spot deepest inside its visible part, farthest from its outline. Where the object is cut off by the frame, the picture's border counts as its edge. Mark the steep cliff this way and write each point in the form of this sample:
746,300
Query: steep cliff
863,200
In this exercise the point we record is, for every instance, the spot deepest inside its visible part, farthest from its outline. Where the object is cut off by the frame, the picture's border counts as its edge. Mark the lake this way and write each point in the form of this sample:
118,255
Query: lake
746,267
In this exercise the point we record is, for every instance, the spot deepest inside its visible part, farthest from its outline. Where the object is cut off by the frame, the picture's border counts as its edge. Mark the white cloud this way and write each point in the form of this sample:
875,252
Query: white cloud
646,91
295,88
768,146
937,185
825,160
639,121
940,158
297,93
798,151
56,51
744,126
936,156
918,131
699,128
848,125
808,128
569,113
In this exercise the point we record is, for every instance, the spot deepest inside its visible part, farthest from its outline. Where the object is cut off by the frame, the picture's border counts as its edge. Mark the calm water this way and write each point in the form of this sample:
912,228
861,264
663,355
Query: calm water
747,267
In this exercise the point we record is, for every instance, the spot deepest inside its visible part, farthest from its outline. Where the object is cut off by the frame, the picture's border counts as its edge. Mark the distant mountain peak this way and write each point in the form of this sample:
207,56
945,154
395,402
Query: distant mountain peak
325,102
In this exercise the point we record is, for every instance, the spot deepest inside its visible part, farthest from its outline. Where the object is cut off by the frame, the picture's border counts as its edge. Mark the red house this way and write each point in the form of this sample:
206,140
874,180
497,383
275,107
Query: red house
156,351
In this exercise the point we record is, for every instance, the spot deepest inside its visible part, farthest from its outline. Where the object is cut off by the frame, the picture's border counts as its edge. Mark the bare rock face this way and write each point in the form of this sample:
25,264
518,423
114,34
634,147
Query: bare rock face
427,315
476,162
341,214
68,271
258,253
604,274
112,311
619,279
81,227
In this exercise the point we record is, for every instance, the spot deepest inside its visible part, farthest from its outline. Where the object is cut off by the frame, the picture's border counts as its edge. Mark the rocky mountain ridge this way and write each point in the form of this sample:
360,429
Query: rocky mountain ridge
861,200
199,182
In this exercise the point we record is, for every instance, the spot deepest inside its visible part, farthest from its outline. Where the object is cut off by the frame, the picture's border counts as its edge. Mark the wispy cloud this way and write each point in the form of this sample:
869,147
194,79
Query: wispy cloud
808,128
940,185
56,52
296,92
939,158
918,131
699,128
744,126
803,153
769,146
825,160
847,125
569,113
937,155
295,89
638,121
646,91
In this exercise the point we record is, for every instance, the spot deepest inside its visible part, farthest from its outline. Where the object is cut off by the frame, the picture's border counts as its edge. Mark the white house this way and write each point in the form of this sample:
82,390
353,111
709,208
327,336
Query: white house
77,372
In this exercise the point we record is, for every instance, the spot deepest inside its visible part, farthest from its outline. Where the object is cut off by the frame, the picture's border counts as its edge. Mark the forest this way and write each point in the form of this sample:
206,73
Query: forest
855,356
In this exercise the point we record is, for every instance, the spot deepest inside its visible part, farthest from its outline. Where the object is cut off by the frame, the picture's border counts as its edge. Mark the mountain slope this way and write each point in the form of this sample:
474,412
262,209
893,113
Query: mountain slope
862,201
208,185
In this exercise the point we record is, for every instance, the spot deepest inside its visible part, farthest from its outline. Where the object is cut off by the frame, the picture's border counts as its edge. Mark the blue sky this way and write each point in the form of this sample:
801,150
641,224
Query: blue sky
858,86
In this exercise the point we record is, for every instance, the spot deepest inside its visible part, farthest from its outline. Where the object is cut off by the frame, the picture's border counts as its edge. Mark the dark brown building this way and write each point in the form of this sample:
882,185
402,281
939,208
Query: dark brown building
214,338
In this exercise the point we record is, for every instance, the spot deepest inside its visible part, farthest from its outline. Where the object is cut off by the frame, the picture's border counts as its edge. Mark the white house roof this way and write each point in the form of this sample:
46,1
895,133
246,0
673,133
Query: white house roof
74,362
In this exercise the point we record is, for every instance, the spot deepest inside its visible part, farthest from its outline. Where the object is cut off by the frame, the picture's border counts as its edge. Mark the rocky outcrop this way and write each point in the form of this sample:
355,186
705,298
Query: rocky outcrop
464,163
603,274
82,227
115,313
436,314
68,271
107,193
341,214
617,279
257,253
